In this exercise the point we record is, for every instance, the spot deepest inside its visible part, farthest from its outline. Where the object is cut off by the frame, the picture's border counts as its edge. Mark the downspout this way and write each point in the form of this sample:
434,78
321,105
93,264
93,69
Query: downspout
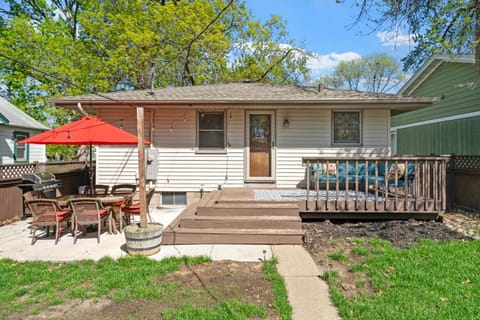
152,131
152,127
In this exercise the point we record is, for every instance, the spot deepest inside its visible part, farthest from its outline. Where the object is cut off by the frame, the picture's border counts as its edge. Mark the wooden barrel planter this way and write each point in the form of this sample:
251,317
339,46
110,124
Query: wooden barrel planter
143,241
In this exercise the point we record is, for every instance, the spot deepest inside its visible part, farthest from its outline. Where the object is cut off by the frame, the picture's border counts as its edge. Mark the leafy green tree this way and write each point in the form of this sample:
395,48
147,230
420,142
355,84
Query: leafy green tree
97,46
50,48
374,73
437,26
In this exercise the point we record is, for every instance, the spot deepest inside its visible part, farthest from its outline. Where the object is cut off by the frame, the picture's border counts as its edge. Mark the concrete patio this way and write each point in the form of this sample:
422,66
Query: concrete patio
15,243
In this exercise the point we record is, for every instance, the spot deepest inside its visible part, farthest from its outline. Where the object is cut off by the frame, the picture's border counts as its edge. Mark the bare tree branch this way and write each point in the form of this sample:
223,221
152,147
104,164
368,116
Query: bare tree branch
264,75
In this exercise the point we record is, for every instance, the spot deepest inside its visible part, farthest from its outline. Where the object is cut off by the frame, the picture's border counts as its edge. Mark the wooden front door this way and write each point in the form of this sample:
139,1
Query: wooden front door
261,143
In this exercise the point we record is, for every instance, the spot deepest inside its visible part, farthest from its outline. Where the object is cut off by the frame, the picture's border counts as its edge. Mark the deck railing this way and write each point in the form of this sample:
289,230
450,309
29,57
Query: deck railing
380,184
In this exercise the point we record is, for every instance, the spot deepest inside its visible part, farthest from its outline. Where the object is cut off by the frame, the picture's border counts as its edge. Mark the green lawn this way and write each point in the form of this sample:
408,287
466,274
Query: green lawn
430,281
31,287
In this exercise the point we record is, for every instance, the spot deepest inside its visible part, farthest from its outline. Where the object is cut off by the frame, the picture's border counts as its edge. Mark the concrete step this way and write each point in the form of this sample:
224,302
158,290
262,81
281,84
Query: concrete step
249,209
233,236
242,222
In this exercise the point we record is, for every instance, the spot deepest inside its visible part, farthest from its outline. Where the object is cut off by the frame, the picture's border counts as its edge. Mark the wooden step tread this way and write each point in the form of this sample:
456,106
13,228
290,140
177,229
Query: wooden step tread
253,205
230,238
246,218
240,231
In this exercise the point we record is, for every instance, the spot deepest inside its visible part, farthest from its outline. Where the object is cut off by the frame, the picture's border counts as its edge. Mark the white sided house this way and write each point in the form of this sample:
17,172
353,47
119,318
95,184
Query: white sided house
239,134
15,125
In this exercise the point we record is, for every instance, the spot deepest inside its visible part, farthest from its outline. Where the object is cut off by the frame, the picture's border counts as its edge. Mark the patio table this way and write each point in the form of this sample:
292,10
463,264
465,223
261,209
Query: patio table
113,201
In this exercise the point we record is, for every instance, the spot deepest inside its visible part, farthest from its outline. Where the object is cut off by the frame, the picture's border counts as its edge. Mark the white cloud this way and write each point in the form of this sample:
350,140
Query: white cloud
394,39
323,64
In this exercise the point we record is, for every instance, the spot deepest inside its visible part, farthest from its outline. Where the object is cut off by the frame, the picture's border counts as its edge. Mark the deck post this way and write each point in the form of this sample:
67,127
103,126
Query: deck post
308,184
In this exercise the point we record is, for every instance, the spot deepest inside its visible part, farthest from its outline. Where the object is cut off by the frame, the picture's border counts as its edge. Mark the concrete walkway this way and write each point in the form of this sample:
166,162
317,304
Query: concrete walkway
307,293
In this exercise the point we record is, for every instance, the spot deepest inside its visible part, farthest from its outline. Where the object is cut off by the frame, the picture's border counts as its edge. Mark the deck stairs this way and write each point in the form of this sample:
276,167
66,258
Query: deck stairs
228,218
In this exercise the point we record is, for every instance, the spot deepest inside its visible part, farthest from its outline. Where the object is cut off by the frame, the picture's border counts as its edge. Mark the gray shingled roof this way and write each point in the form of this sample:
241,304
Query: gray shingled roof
239,92
17,118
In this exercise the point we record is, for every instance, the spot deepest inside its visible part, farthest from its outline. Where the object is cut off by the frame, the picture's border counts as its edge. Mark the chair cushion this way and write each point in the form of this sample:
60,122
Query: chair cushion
103,212
131,209
63,214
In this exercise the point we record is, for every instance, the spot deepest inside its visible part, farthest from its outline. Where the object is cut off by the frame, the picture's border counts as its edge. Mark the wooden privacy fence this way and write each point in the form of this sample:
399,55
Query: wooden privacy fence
381,184
463,177
72,175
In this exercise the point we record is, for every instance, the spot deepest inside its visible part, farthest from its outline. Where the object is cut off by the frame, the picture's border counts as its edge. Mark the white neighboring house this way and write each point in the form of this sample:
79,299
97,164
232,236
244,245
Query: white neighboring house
16,125
240,134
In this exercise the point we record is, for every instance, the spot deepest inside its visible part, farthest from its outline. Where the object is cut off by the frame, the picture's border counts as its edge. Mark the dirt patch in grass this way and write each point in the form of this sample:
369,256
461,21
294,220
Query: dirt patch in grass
340,248
199,285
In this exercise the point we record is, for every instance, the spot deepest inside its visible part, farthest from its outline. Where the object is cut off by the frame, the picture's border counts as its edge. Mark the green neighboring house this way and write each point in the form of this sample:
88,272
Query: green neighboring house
452,123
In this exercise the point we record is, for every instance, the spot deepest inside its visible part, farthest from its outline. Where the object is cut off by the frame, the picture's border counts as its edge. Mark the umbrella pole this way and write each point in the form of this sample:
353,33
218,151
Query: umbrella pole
90,172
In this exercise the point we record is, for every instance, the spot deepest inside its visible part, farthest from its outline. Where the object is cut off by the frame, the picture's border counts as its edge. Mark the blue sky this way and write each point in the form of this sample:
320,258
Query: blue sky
325,28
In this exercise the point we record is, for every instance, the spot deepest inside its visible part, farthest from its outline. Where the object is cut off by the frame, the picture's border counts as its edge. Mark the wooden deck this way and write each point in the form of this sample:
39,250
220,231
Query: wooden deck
353,189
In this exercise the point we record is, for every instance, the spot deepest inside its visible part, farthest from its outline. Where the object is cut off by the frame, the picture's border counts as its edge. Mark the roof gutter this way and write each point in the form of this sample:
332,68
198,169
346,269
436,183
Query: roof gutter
133,103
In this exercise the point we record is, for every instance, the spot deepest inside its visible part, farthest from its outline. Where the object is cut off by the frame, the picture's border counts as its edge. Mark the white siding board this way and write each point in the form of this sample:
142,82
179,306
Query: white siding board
307,128
125,119
6,145
181,168
37,152
376,129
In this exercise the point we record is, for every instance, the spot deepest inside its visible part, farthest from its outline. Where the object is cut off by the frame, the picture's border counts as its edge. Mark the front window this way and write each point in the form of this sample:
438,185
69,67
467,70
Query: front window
346,127
20,152
211,130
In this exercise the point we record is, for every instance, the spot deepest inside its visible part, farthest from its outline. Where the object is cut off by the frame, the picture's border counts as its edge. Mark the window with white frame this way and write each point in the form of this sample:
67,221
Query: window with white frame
20,152
347,127
211,130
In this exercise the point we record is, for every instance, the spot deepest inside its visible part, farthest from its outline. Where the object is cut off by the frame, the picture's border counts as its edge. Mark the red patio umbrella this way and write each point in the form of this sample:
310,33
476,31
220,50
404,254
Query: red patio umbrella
85,131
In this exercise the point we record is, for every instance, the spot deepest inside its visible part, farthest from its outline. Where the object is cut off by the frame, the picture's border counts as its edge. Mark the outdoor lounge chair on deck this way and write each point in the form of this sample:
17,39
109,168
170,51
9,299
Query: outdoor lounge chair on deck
90,211
374,173
47,213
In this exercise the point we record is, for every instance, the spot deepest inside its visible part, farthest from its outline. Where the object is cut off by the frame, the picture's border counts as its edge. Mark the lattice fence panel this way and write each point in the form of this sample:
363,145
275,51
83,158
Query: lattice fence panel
465,162
15,171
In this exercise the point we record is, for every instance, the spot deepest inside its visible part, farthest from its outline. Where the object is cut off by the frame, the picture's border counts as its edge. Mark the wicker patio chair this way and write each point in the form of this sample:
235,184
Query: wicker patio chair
123,189
131,209
47,213
28,196
90,211
98,190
